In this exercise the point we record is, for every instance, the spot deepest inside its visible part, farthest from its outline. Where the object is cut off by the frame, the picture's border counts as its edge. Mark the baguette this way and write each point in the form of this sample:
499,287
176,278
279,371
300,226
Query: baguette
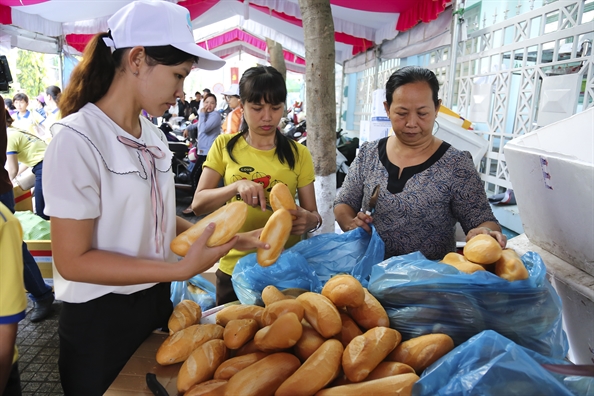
263,377
319,370
248,348
228,219
201,364
350,329
460,262
397,385
282,334
482,249
178,346
238,332
271,294
281,198
230,367
510,266
420,352
366,351
309,342
276,232
344,291
386,369
212,387
371,314
185,314
276,309
238,312
321,313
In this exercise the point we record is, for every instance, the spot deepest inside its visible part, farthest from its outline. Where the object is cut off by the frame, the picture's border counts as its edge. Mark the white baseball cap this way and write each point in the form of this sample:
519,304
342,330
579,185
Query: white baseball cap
156,23
232,91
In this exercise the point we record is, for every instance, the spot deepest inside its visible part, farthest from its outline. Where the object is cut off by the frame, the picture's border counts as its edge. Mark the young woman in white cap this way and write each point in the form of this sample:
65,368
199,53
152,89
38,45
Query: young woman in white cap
110,193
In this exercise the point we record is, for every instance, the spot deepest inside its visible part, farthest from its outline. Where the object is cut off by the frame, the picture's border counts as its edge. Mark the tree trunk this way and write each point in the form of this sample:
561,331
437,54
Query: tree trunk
277,59
318,32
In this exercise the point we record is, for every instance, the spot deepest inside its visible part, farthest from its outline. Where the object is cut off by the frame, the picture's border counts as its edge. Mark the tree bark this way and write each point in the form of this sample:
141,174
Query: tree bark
318,32
277,60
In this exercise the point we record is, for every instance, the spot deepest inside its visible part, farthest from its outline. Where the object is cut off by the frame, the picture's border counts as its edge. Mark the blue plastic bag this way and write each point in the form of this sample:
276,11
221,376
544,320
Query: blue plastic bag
423,296
490,364
197,289
309,264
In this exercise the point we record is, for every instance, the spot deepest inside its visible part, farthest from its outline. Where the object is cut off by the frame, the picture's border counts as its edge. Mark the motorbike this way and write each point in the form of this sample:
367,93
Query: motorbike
180,161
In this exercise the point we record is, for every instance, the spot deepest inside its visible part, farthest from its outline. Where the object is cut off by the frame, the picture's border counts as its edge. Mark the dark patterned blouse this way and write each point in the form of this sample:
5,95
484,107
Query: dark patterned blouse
419,211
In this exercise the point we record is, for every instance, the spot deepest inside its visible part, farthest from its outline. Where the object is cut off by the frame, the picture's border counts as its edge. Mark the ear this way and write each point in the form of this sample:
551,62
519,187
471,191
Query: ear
438,106
387,108
136,57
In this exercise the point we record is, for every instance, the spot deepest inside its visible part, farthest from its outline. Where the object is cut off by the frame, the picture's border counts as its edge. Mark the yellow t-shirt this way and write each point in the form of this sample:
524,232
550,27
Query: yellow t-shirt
29,122
261,166
29,148
13,300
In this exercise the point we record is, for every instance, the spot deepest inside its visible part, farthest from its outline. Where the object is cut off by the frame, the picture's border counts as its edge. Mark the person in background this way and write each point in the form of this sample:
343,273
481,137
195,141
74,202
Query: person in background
40,105
195,103
111,196
25,119
183,107
52,98
39,292
9,106
251,162
232,122
426,185
13,302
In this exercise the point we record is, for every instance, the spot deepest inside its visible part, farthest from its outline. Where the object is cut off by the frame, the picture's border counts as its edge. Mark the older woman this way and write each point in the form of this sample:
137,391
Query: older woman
425,185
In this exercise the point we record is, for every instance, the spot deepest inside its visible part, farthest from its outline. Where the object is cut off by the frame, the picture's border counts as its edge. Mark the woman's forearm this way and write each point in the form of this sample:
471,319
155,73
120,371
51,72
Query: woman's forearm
208,200
344,215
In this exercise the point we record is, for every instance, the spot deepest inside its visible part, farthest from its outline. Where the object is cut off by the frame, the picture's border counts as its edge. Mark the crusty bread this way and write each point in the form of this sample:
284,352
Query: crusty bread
232,366
228,219
214,387
281,198
386,369
420,352
271,294
239,331
238,312
201,364
309,342
185,314
396,385
276,309
178,346
510,266
276,232
371,314
350,329
318,371
460,262
282,334
482,249
321,314
344,291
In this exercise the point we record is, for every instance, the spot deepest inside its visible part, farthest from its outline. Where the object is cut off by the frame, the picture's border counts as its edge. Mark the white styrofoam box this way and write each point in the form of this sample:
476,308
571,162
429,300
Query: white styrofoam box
480,102
576,289
378,97
558,98
552,173
375,129
461,138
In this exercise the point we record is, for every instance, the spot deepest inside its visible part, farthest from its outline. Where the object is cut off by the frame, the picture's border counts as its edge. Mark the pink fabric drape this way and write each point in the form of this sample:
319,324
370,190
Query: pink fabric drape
5,15
198,7
78,41
421,11
15,3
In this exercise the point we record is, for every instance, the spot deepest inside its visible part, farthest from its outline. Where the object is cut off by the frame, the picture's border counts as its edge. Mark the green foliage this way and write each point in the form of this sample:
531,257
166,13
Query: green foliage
31,72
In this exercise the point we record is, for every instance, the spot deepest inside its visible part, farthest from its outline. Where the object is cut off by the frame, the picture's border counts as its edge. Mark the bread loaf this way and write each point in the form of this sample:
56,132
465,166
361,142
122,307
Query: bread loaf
420,352
344,291
371,314
317,371
350,329
228,219
214,387
201,364
482,249
397,385
178,346
309,342
239,331
263,377
459,262
366,351
282,334
276,309
321,314
281,198
185,314
248,348
510,266
276,232
230,367
238,312
386,369
271,294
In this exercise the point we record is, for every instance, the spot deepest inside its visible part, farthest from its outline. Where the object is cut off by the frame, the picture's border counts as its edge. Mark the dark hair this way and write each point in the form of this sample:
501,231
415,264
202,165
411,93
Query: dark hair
20,96
412,74
197,93
206,90
54,92
8,103
209,95
265,83
9,119
92,77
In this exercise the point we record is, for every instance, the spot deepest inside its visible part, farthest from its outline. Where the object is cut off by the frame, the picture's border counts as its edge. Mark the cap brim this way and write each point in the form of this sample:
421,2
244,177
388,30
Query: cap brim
206,59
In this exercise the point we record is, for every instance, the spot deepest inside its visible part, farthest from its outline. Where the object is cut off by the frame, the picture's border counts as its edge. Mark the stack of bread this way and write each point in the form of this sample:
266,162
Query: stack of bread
335,343
483,253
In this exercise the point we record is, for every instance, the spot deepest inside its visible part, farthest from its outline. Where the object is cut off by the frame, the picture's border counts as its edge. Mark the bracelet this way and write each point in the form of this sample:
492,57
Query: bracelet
317,227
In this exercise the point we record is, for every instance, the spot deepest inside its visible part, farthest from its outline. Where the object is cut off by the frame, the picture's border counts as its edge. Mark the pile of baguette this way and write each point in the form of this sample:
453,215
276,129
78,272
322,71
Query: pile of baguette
336,343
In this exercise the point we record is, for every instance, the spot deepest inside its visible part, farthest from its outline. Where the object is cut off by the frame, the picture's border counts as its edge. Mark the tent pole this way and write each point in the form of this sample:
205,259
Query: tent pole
61,61
457,22
341,96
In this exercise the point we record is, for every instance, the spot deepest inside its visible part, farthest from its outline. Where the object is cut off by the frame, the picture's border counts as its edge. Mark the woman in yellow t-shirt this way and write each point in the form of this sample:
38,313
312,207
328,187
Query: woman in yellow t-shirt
251,162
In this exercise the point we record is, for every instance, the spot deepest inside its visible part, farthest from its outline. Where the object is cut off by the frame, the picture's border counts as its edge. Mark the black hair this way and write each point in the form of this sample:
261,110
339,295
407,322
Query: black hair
54,92
209,95
8,103
20,96
265,83
93,76
412,74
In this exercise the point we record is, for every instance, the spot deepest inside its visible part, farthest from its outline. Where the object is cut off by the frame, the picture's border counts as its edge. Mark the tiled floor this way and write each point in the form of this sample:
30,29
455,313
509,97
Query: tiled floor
38,344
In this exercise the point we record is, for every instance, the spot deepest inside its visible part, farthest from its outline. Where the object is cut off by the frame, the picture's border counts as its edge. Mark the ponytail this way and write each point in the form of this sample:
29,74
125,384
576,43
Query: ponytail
92,77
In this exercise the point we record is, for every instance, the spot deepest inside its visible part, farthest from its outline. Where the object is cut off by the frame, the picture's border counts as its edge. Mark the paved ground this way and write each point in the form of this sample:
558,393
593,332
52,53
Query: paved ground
38,344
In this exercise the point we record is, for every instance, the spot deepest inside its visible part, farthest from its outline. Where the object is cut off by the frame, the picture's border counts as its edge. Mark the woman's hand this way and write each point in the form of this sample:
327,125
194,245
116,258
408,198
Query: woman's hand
251,240
251,193
502,239
361,220
201,257
303,221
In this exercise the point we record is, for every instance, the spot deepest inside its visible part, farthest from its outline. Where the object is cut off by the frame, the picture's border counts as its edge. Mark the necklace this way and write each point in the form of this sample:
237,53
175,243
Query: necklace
263,147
